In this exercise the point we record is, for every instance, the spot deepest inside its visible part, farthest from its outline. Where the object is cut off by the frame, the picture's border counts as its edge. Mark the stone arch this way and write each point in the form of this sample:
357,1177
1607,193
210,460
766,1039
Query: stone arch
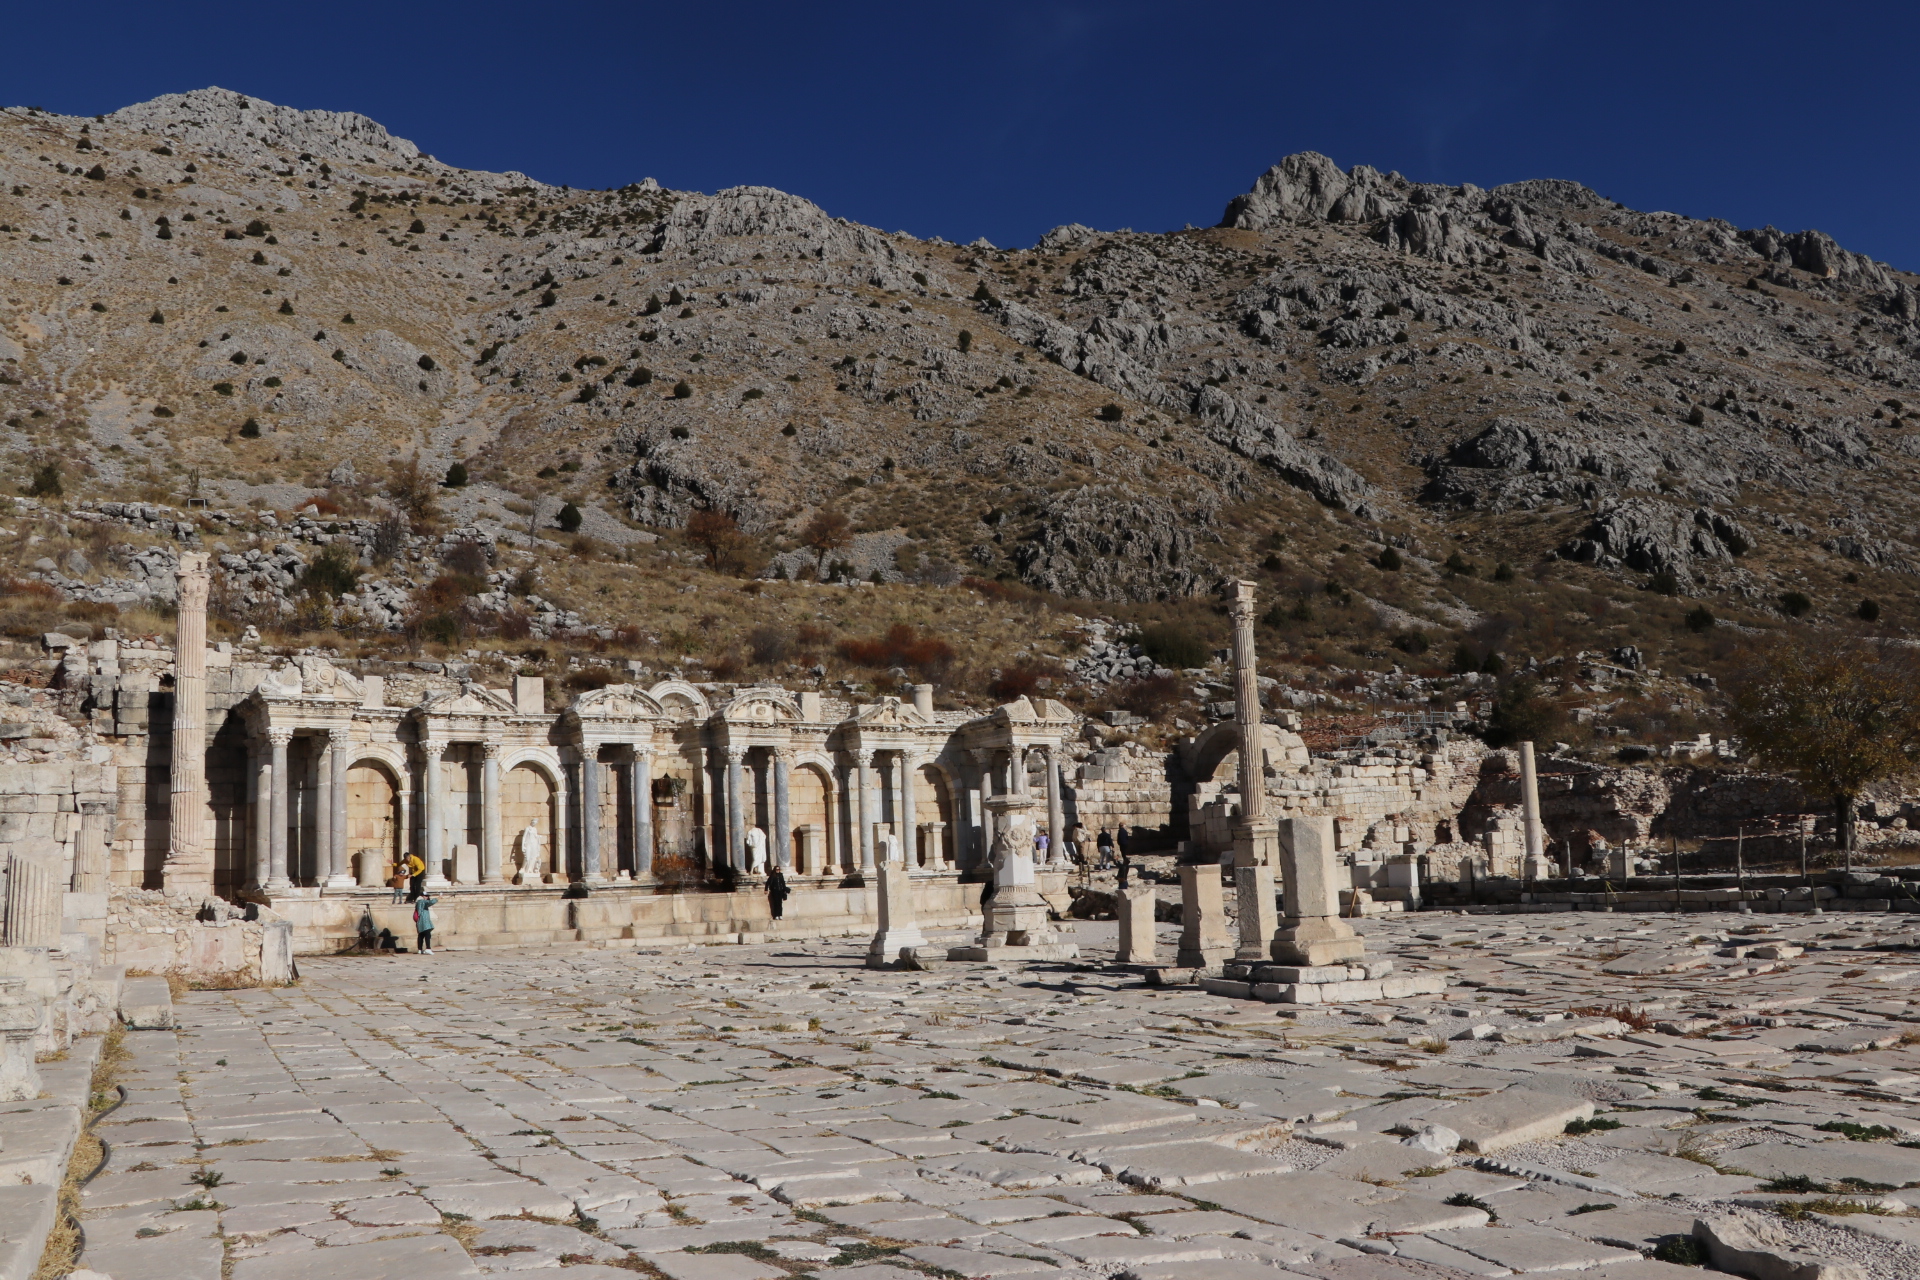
1212,748
680,700
811,805
933,795
374,835
529,796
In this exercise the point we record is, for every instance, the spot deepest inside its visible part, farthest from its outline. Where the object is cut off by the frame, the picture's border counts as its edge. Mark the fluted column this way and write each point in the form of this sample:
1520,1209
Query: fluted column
863,805
260,782
334,807
433,817
909,816
277,881
406,821
642,813
782,810
490,814
1055,851
189,866
590,813
561,855
735,825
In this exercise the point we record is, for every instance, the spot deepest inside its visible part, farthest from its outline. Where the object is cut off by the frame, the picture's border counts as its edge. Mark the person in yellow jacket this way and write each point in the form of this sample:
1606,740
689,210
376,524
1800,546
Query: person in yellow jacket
413,874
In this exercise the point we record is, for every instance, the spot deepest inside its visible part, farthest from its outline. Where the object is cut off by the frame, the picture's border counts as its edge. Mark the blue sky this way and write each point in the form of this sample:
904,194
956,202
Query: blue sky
1003,120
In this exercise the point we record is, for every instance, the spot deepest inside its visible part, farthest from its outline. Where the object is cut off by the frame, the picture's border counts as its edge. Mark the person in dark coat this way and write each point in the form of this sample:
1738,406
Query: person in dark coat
1105,846
777,892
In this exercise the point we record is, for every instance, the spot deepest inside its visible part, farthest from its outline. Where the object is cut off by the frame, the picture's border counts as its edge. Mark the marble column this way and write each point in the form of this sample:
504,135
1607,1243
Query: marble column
339,756
1536,864
91,869
406,821
979,834
736,827
433,816
909,815
590,813
261,784
1056,835
1017,771
782,810
642,780
490,832
320,797
277,881
188,870
863,805
560,869
1256,837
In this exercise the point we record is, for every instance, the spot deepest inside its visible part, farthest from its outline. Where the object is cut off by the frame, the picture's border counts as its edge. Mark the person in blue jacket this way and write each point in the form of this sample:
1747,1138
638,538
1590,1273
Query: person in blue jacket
423,923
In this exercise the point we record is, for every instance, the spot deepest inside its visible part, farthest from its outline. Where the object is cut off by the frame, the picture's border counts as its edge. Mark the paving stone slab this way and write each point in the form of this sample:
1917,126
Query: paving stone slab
973,1262
1514,1116
715,1266
1337,1207
1186,1164
429,1257
1531,1249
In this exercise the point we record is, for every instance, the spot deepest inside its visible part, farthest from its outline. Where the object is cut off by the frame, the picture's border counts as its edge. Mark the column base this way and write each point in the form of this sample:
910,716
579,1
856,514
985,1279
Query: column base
282,885
340,880
1316,941
436,880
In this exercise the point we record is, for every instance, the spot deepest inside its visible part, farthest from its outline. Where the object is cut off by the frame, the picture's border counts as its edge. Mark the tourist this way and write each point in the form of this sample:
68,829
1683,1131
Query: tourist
1104,843
416,876
777,892
423,923
399,883
1040,848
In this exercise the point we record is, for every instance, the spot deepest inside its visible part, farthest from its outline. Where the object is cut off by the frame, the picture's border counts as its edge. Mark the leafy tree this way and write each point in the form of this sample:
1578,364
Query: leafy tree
719,534
1839,715
828,531
569,518
45,482
334,572
1521,714
412,489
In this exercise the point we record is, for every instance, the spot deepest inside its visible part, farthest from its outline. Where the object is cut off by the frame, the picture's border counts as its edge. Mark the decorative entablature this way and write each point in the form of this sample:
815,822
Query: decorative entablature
617,714
760,716
1020,724
471,713
313,695
891,725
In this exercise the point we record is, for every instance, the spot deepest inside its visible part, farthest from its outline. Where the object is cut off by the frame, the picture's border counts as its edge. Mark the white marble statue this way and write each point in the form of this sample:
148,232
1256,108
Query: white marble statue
889,847
529,855
756,851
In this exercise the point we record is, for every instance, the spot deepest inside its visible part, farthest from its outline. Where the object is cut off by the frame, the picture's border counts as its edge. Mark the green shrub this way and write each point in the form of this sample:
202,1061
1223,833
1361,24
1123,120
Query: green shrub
1503,572
1112,413
45,482
334,572
1170,644
1389,560
965,341
1868,611
1795,604
1520,714
250,429
683,390
1700,618
1459,564
456,476
569,518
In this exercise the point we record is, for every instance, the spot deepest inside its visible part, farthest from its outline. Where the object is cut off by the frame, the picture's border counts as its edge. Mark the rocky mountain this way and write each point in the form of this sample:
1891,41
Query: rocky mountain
211,294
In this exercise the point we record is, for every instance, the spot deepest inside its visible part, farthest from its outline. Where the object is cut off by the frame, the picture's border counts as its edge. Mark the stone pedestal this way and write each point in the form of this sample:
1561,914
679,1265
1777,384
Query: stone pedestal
898,923
1312,932
1259,916
374,868
466,864
1018,924
1138,942
1204,941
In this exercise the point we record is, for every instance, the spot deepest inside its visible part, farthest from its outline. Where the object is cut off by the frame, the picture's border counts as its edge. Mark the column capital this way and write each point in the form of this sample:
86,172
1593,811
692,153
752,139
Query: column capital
279,737
433,748
339,735
492,748
735,754
783,754
863,756
640,751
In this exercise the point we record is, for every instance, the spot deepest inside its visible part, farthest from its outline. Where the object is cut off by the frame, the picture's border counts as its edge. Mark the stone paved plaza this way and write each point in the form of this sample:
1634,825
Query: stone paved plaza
734,1112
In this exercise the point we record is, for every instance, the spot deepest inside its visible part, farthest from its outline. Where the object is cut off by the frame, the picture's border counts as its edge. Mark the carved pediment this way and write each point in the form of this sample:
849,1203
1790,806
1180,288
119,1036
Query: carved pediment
319,678
890,713
680,701
761,706
469,699
617,702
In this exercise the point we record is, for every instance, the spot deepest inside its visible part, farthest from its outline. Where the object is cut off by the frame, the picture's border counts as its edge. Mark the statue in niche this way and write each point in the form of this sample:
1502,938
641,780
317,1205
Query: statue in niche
756,851
529,856
889,847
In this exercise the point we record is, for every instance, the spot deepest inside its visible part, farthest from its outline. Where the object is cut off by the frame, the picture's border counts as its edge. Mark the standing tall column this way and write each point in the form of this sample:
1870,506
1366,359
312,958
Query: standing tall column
1536,865
560,857
1256,837
433,818
981,837
261,785
736,826
909,816
188,870
642,813
490,833
405,842
321,800
590,813
277,881
863,805
782,810
1056,850
338,758
1017,771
